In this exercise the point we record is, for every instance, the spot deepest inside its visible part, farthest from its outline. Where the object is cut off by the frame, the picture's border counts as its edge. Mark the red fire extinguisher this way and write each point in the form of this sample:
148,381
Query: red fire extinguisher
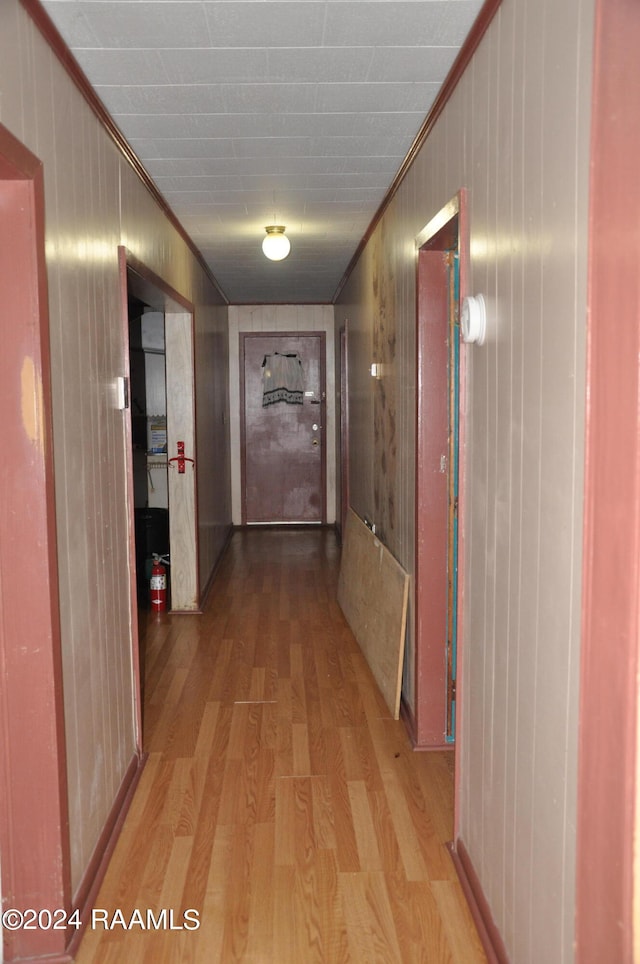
158,584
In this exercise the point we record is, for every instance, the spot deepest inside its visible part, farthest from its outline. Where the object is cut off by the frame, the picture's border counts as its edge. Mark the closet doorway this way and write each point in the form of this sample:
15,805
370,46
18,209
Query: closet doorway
282,427
170,346
148,401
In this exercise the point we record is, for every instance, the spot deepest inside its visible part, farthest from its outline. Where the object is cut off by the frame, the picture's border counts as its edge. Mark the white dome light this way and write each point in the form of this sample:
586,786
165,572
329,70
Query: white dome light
275,246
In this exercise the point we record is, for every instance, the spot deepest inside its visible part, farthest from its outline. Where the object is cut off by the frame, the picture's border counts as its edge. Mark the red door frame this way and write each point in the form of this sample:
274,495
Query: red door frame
447,230
34,823
323,411
607,830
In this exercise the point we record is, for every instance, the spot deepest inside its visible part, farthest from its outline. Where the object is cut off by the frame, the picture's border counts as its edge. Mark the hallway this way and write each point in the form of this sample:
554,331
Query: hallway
279,800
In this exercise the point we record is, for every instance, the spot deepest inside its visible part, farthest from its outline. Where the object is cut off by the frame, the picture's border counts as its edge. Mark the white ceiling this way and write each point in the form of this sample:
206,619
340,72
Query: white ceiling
252,112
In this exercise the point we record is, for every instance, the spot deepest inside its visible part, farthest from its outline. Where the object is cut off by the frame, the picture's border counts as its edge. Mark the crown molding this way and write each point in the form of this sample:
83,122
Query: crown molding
458,68
51,34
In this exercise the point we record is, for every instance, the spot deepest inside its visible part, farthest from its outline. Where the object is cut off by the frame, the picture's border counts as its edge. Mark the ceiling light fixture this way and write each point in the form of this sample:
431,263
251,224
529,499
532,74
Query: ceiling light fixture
276,246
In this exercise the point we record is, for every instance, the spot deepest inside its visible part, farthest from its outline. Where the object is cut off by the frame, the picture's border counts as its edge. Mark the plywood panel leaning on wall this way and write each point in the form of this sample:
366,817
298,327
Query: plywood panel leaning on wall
373,591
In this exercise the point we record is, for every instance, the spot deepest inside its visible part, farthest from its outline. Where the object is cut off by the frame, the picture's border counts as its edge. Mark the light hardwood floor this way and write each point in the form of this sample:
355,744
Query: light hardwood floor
280,801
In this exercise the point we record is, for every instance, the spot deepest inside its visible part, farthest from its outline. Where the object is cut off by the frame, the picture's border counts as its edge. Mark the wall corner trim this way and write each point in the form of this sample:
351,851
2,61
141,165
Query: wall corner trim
52,36
488,933
466,52
87,892
216,567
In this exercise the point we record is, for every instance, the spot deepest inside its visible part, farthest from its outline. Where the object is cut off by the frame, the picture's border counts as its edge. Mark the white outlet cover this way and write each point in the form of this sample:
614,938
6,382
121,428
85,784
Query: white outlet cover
473,319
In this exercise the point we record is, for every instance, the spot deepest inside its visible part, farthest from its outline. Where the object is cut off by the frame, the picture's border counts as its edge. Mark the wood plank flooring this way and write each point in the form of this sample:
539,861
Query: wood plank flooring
280,801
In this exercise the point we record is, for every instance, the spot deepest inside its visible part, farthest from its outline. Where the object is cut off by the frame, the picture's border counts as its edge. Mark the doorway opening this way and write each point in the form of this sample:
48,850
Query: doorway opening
344,429
148,402
159,375
442,267
170,324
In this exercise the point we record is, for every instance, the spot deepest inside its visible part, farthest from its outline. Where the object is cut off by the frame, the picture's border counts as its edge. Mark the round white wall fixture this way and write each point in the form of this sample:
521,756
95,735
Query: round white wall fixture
473,319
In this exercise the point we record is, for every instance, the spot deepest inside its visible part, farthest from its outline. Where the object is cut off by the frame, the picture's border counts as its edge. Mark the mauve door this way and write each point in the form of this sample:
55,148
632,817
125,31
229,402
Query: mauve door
283,443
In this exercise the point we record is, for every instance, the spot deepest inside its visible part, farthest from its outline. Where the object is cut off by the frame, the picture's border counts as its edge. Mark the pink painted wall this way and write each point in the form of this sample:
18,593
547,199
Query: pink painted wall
94,203
516,134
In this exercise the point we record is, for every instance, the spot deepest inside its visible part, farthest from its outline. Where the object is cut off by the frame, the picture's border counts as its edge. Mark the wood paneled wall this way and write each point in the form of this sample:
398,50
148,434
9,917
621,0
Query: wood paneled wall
516,135
94,203
281,318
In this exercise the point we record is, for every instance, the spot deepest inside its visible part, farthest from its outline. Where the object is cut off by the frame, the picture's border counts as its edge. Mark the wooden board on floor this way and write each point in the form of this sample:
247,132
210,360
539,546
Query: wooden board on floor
373,592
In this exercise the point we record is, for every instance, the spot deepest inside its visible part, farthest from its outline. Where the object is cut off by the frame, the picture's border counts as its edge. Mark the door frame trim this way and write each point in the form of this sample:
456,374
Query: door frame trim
322,335
447,228
36,866
608,811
